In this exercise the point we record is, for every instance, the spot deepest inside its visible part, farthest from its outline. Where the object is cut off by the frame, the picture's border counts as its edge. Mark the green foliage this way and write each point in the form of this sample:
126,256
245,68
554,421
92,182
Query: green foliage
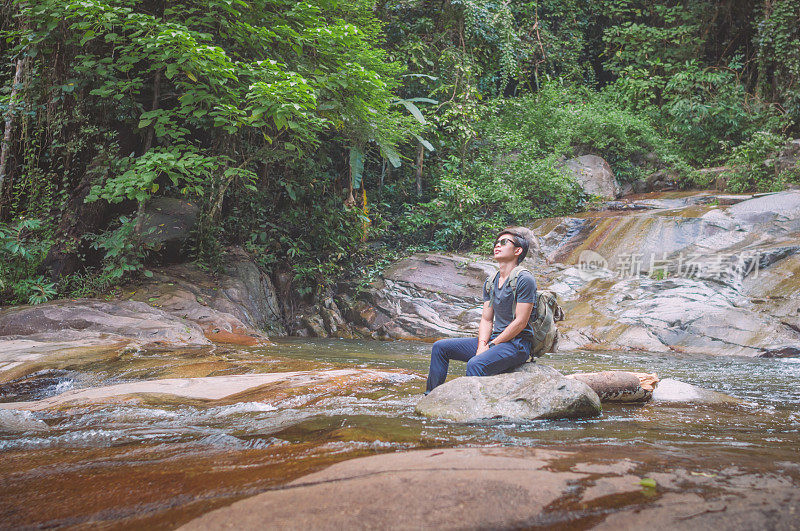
647,43
268,113
705,109
565,122
22,247
202,98
753,165
778,45
124,251
187,171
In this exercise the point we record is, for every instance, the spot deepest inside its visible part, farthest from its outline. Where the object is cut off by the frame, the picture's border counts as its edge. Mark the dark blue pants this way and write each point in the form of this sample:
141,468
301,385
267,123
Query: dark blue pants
497,359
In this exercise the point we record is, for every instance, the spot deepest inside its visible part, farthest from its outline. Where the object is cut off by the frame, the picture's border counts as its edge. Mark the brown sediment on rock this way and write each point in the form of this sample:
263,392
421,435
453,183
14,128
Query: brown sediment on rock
237,336
146,487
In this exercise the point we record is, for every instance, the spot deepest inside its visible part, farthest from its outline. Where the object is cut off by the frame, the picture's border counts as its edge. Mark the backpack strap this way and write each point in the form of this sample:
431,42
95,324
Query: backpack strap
512,279
489,286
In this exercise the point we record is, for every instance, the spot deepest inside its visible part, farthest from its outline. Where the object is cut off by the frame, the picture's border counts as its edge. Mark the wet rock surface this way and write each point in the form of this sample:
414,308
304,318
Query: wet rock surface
109,322
671,390
212,388
167,225
156,438
532,391
511,488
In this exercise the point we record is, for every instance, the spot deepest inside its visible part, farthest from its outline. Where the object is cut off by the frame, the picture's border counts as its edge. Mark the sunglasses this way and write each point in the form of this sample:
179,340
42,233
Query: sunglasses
505,241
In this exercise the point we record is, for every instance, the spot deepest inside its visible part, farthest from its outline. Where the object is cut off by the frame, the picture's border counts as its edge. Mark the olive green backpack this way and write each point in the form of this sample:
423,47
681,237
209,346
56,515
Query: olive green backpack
542,320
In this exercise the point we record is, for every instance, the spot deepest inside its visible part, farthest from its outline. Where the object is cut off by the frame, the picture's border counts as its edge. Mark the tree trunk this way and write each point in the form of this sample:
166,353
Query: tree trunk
420,158
148,143
8,127
350,202
216,208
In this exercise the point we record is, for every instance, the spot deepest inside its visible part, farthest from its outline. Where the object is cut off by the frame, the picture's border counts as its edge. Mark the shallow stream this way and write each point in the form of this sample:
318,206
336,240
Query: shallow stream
162,461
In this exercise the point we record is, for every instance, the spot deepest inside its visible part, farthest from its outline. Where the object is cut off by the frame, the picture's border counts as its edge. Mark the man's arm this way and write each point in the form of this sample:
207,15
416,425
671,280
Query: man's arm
485,328
516,326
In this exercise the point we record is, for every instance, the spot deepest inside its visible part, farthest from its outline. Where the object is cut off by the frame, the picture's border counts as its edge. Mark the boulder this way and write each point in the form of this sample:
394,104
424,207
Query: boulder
428,296
619,386
167,224
670,390
532,391
716,177
594,175
233,308
661,180
249,294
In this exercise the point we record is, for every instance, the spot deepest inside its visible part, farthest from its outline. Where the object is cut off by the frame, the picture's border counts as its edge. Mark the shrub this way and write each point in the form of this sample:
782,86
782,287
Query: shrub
22,247
753,164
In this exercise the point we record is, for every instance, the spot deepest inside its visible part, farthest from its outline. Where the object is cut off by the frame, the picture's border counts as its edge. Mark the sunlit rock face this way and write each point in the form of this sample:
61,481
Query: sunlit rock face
594,175
685,272
428,296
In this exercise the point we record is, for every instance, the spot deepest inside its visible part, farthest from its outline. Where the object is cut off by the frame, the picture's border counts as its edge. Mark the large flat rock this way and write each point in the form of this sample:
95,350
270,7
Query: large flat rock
208,388
515,488
27,330
180,306
428,489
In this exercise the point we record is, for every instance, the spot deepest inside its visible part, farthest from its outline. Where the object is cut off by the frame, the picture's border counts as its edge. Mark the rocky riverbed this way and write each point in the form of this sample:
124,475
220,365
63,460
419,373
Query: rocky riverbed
159,437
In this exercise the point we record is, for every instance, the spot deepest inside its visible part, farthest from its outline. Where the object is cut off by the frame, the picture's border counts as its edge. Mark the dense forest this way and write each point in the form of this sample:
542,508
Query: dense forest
327,137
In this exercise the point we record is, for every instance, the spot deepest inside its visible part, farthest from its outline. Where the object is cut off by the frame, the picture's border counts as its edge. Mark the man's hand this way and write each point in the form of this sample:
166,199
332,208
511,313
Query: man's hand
482,347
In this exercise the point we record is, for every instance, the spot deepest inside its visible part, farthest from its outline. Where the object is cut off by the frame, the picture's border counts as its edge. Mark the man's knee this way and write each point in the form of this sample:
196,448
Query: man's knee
438,351
476,367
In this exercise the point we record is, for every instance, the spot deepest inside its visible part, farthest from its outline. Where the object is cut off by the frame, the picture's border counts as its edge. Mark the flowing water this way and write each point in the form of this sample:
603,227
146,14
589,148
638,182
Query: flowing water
160,461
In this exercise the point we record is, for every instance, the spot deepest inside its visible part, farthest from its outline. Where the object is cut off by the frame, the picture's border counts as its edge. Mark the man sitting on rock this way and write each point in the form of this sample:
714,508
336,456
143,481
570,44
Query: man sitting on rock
504,340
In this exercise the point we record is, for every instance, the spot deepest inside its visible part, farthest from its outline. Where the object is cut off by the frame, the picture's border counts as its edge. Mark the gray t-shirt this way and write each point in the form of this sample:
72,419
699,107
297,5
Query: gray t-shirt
503,298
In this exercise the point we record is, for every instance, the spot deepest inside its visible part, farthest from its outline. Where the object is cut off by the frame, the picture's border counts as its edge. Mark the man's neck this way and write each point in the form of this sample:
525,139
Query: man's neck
506,268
